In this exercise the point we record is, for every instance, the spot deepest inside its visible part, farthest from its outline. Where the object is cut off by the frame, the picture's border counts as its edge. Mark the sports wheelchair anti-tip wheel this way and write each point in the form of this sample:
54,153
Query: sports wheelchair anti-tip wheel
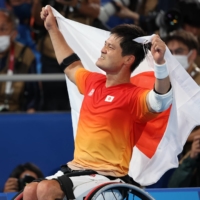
118,191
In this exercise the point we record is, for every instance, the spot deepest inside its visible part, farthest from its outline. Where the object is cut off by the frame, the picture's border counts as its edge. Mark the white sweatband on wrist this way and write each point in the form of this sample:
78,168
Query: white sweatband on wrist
160,71
160,102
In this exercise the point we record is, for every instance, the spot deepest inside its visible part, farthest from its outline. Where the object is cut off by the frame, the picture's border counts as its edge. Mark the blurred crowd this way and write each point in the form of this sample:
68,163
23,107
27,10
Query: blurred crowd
25,48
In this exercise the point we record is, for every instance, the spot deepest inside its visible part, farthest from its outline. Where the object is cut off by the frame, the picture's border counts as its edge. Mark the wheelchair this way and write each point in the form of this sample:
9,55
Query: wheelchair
109,191
117,191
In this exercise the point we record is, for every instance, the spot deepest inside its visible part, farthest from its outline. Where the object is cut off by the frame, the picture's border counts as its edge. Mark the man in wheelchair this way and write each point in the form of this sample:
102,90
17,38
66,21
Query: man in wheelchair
110,109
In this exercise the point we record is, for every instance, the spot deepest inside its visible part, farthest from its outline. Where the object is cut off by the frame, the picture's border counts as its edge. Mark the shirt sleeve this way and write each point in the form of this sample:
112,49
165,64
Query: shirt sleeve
81,78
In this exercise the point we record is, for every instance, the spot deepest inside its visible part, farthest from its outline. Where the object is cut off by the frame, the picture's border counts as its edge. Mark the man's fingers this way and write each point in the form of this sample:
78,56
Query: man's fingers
11,185
43,13
12,180
158,44
47,9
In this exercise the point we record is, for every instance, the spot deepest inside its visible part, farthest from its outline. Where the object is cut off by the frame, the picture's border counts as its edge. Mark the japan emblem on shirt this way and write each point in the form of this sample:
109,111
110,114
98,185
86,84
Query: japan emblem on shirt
91,92
109,98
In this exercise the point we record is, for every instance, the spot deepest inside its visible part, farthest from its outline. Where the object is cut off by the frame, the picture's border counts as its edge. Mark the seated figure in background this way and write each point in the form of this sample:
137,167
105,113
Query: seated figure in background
15,58
184,46
190,13
188,172
21,175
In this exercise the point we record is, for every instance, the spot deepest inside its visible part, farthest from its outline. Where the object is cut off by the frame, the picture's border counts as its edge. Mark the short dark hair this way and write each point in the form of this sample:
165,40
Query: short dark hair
17,171
128,32
185,37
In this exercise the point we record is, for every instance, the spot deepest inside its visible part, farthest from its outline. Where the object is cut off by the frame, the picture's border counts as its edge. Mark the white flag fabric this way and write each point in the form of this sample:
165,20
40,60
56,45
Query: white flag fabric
162,139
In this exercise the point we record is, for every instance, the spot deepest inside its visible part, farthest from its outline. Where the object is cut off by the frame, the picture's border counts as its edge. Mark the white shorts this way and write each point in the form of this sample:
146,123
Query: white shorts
82,185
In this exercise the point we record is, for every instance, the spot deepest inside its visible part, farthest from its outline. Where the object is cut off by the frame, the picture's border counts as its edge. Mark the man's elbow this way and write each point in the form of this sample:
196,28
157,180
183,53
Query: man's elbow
159,103
69,74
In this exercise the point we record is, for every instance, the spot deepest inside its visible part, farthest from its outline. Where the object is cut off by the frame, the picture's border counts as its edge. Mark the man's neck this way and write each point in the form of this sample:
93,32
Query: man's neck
117,79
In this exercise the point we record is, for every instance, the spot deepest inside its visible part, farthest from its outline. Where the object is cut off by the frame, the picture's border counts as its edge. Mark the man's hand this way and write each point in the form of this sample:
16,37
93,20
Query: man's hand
195,149
125,12
158,50
11,185
49,20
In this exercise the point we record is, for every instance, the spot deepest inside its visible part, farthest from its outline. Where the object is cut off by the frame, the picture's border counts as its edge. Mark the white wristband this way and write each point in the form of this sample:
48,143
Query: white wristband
160,71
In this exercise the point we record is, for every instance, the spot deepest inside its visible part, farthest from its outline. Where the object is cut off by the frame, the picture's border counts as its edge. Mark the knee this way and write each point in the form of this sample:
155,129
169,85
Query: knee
30,190
49,189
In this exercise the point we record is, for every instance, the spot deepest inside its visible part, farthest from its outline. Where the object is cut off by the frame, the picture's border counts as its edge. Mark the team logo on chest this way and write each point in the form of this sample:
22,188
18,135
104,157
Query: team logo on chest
109,98
91,92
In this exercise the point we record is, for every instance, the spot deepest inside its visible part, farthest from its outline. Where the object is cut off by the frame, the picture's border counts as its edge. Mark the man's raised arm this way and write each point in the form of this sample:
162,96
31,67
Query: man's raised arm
160,98
64,54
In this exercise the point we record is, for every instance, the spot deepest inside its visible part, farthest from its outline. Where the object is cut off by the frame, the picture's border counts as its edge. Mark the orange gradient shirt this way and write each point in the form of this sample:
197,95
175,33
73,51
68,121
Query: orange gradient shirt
105,132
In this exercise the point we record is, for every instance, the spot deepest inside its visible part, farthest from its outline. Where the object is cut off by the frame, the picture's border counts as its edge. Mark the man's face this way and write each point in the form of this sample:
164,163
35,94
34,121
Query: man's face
5,26
7,33
111,60
177,48
182,53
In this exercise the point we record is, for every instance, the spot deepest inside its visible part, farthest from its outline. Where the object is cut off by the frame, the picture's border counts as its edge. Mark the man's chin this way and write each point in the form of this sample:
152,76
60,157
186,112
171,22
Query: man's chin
98,64
100,67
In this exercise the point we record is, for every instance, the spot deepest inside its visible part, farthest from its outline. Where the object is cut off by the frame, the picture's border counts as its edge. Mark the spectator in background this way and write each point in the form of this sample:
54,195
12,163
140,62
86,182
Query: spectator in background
149,15
21,175
22,10
188,172
15,58
53,96
190,10
184,46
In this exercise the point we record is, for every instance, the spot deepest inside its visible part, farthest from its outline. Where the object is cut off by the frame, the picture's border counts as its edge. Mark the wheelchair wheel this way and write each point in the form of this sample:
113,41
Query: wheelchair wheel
18,196
118,191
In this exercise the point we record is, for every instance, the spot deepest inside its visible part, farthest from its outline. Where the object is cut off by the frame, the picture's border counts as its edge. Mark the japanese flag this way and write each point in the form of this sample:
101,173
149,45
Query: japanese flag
159,141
